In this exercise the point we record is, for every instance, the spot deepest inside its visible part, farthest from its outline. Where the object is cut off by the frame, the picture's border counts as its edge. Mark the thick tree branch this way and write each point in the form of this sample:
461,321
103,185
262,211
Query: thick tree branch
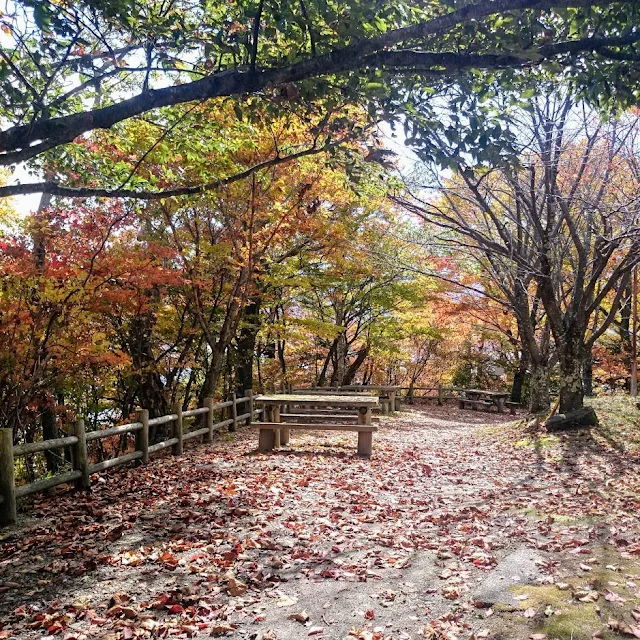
22,142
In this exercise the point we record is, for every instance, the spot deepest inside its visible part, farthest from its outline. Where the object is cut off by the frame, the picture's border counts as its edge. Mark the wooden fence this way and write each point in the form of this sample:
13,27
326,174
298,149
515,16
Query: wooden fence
79,438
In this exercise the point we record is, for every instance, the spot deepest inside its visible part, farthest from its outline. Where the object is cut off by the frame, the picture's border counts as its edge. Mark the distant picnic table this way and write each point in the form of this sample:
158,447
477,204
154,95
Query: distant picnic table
476,398
274,432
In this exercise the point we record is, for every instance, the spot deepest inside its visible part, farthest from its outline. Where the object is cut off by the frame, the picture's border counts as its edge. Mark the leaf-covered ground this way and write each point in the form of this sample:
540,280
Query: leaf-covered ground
452,530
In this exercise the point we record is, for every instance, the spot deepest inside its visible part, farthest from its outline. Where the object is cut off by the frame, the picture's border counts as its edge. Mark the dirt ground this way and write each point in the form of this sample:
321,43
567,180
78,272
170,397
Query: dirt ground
462,525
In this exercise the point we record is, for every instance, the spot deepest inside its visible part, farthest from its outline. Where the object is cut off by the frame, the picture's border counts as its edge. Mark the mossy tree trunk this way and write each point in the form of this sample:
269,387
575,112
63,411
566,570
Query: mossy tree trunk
539,400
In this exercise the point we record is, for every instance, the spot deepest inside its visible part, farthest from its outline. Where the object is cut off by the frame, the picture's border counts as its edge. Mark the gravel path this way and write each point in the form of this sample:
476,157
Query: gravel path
426,539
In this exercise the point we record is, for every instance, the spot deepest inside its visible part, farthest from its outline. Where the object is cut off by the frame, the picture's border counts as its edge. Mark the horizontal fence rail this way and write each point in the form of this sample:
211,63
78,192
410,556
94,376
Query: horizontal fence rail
78,443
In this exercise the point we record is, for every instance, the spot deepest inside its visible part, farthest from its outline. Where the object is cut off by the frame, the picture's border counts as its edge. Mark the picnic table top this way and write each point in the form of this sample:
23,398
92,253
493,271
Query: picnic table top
329,400
350,389
486,392
380,387
320,392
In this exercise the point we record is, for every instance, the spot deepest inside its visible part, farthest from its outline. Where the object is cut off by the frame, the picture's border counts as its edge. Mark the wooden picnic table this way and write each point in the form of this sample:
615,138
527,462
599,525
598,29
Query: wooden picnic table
271,437
477,396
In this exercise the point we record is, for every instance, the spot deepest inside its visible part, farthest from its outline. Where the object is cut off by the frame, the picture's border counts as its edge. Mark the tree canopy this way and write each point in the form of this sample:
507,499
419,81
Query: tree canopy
67,69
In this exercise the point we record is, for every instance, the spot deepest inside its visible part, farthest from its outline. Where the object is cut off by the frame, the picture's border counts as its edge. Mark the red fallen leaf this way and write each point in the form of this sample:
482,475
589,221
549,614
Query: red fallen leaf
168,559
369,614
127,633
176,608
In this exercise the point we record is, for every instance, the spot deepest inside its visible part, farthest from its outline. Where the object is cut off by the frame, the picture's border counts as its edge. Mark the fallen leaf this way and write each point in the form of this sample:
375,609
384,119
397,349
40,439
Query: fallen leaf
220,628
236,588
301,616
286,601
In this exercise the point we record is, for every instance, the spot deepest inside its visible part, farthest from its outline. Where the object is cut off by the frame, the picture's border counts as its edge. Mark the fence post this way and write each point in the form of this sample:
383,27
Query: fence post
8,513
80,455
176,449
234,413
208,437
248,393
142,435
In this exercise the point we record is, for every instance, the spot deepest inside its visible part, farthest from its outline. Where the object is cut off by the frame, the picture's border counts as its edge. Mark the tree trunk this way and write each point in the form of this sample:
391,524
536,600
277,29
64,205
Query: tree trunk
212,376
518,380
571,389
580,418
353,368
280,349
322,378
52,457
587,375
516,387
539,389
246,342
340,360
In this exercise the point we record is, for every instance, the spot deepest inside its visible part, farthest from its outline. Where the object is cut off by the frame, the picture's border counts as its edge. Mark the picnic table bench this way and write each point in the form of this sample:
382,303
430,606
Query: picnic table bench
477,398
274,433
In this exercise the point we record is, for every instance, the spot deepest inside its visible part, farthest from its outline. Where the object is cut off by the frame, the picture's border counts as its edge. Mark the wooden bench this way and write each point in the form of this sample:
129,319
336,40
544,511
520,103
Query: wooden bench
319,417
475,404
272,434
327,412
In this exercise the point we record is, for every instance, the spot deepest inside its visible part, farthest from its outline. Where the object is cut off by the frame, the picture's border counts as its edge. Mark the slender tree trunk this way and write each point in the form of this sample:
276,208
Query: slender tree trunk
280,350
233,316
518,379
322,378
587,375
340,360
151,391
246,342
214,370
52,457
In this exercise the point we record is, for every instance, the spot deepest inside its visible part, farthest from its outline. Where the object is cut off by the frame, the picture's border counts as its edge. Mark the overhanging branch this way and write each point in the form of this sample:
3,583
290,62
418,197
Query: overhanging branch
56,189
